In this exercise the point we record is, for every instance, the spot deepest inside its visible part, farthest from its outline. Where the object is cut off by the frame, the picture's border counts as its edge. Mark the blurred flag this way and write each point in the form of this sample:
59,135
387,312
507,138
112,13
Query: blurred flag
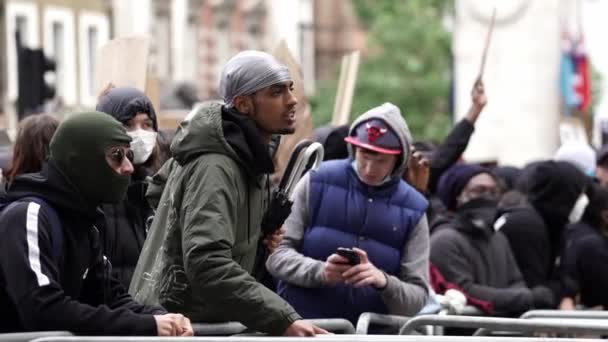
575,81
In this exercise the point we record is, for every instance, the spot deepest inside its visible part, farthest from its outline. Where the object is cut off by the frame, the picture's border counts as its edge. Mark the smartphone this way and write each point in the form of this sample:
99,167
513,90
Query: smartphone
349,254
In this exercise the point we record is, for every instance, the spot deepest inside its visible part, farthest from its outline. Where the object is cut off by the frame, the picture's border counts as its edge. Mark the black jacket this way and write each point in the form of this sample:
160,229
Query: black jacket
449,151
123,230
74,292
529,238
535,231
585,264
446,155
471,255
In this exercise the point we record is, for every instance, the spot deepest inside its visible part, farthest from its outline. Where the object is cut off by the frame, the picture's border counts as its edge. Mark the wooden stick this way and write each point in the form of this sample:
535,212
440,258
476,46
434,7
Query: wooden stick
486,47
346,88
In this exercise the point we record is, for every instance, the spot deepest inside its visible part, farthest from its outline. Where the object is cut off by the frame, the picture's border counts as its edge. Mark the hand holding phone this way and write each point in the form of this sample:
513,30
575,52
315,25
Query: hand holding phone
349,254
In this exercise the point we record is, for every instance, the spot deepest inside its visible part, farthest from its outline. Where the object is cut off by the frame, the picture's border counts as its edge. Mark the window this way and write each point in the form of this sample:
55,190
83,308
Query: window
59,45
92,34
222,36
21,27
59,57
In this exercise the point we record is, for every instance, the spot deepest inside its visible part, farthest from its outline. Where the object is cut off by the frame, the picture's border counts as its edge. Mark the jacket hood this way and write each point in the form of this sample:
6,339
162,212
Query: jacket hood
442,221
54,188
552,187
201,132
391,115
214,128
124,103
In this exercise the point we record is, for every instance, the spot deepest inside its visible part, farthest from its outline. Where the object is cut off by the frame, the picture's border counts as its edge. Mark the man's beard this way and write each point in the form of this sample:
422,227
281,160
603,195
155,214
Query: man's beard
280,131
286,131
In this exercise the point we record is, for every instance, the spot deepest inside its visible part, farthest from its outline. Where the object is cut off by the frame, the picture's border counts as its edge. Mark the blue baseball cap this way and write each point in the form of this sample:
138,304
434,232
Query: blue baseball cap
377,136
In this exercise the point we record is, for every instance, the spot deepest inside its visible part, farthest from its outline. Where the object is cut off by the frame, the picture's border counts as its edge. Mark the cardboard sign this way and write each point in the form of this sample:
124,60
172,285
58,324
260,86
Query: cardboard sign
304,124
123,62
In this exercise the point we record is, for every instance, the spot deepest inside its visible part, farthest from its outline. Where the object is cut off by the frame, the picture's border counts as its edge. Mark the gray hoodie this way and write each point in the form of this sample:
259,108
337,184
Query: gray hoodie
404,295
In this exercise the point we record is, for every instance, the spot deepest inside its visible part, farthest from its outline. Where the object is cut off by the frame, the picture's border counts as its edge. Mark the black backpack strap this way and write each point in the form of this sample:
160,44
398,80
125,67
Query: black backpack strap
56,230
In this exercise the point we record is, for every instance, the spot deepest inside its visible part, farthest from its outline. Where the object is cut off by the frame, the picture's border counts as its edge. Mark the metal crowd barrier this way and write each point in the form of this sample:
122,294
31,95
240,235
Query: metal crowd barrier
218,329
368,318
327,338
334,325
26,337
486,325
395,322
573,314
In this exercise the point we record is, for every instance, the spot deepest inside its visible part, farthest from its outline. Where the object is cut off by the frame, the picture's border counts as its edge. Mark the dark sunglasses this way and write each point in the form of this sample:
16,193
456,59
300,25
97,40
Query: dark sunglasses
118,154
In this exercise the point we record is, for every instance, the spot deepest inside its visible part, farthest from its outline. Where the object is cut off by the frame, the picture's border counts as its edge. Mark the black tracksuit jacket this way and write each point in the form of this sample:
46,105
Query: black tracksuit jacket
73,291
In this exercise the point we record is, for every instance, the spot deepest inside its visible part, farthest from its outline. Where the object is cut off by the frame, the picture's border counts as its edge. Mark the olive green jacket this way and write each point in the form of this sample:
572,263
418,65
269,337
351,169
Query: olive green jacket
201,247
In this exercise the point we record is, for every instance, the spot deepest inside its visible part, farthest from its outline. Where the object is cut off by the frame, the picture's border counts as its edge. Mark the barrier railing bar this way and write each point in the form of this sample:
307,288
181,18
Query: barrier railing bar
368,318
565,314
487,324
327,338
26,337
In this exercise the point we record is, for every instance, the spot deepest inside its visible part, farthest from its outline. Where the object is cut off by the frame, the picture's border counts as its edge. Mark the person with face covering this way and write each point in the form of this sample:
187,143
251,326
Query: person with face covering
584,262
53,275
555,196
362,203
123,230
200,253
468,250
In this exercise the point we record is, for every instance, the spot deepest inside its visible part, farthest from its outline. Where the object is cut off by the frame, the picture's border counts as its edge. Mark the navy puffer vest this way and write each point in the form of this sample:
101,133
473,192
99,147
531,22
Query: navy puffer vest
344,212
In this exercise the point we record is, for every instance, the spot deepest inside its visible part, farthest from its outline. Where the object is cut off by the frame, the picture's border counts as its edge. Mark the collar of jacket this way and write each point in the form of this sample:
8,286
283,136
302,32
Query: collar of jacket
244,137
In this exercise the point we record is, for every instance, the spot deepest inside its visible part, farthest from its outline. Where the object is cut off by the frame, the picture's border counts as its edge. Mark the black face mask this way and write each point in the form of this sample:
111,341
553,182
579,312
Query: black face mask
480,213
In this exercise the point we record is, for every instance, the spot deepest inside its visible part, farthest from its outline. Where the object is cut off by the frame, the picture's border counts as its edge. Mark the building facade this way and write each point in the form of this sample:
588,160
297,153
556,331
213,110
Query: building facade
69,32
337,32
190,39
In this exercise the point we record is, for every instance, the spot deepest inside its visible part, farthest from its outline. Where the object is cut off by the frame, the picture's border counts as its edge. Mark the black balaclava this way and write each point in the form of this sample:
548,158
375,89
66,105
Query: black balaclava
124,103
78,148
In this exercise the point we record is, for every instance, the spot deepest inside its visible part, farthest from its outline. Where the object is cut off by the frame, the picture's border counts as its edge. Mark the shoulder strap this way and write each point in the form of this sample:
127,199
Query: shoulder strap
56,230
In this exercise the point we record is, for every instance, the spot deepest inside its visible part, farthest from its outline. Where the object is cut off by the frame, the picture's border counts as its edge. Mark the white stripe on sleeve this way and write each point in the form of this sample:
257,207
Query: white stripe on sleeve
32,243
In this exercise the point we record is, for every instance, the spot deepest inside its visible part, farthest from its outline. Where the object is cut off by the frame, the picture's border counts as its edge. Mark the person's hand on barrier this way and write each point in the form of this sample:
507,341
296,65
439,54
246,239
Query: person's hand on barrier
365,274
418,171
567,303
186,326
478,101
168,324
303,329
272,242
334,267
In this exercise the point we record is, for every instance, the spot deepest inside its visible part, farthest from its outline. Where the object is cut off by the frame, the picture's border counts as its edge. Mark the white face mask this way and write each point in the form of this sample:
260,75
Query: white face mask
142,145
579,208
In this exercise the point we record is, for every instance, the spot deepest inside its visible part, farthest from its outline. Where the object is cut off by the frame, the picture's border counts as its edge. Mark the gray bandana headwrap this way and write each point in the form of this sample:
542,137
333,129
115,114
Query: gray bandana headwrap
248,72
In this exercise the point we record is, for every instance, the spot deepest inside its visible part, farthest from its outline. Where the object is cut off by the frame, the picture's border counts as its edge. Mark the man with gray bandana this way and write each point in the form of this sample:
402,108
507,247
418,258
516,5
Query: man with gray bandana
201,248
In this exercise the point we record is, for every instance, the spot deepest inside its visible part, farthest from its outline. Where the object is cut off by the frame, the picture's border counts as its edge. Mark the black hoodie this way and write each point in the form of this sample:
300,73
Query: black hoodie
75,292
534,231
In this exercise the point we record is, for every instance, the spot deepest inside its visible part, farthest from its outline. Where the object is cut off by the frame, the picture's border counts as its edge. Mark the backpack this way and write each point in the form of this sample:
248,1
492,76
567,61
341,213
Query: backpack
55,228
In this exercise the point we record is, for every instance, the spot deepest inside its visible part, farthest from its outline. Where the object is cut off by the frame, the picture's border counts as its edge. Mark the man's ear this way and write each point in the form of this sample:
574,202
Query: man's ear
243,104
